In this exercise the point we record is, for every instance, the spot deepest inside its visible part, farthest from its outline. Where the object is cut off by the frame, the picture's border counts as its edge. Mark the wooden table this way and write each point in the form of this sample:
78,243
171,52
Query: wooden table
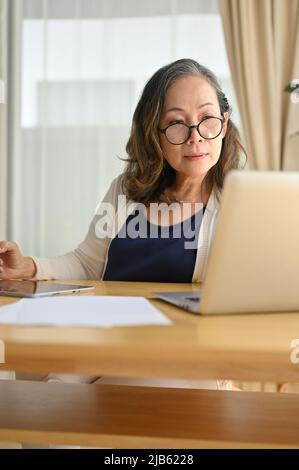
240,347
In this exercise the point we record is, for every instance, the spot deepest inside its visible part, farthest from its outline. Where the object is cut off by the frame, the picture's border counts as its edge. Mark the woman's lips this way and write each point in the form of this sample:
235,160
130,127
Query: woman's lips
197,156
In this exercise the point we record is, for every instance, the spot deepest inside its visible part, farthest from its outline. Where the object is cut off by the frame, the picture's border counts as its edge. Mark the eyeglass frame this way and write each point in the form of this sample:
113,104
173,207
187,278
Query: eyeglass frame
194,126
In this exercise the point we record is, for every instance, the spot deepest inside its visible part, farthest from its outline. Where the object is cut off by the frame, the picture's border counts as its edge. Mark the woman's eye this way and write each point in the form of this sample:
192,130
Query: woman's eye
207,116
177,121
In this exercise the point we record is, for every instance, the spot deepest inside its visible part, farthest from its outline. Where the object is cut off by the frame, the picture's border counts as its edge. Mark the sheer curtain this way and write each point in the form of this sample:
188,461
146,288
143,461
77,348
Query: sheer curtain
3,120
84,64
6,62
262,40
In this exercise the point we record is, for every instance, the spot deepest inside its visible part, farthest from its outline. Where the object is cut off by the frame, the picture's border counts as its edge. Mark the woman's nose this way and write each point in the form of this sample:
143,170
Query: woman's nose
194,136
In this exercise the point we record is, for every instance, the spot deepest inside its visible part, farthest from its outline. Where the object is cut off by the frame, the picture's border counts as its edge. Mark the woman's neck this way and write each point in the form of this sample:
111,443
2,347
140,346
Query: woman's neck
187,189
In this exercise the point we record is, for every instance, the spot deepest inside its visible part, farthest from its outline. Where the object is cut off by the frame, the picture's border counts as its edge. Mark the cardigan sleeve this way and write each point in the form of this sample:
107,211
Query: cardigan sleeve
88,260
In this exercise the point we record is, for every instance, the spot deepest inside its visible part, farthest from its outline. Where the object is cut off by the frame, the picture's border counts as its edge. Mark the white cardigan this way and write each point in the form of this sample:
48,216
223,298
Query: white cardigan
89,260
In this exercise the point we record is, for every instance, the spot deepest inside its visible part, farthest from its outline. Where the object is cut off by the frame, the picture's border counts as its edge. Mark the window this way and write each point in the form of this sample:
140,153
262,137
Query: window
84,64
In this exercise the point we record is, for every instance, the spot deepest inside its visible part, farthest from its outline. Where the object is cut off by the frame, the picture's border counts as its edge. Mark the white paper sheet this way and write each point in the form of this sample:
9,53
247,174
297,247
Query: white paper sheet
95,311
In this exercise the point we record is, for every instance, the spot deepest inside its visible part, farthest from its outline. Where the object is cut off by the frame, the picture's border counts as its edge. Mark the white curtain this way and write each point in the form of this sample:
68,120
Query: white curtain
262,39
4,147
3,120
84,64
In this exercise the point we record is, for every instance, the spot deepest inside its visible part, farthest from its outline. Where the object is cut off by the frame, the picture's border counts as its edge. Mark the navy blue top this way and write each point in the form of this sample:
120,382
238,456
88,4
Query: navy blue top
156,253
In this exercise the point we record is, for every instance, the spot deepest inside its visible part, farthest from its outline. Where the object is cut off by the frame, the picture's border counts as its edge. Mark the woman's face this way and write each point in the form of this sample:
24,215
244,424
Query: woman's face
189,100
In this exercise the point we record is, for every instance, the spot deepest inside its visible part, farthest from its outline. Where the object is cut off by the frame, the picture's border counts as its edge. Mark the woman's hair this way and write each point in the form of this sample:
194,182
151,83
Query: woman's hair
147,173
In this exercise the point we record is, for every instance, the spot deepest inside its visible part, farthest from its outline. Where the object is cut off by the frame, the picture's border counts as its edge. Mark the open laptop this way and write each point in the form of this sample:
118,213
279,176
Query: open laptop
253,264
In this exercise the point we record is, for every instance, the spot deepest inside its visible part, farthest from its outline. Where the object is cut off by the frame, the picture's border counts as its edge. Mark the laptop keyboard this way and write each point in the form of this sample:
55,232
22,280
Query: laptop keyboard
193,299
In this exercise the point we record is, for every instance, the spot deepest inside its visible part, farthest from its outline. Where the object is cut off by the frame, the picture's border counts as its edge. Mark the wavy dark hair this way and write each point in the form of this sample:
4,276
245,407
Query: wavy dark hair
147,173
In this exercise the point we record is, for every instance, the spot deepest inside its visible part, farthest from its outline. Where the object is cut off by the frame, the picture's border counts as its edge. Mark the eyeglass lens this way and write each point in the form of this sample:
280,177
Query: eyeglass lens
208,129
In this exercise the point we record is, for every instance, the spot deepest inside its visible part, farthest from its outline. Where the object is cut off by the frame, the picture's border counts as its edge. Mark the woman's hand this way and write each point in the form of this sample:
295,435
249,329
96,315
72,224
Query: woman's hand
13,265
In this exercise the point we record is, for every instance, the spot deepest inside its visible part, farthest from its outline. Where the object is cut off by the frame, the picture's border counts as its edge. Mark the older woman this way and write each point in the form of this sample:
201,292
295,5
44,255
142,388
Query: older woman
157,219
182,145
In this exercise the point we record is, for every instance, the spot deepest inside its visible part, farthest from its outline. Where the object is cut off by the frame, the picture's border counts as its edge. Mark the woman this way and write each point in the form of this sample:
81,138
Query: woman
182,145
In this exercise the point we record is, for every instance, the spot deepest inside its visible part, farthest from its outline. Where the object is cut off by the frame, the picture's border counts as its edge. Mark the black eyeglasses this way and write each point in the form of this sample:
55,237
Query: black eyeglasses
178,133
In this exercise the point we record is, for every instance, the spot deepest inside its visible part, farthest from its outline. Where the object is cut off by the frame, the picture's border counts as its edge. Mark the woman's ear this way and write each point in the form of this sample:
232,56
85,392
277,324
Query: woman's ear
225,124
